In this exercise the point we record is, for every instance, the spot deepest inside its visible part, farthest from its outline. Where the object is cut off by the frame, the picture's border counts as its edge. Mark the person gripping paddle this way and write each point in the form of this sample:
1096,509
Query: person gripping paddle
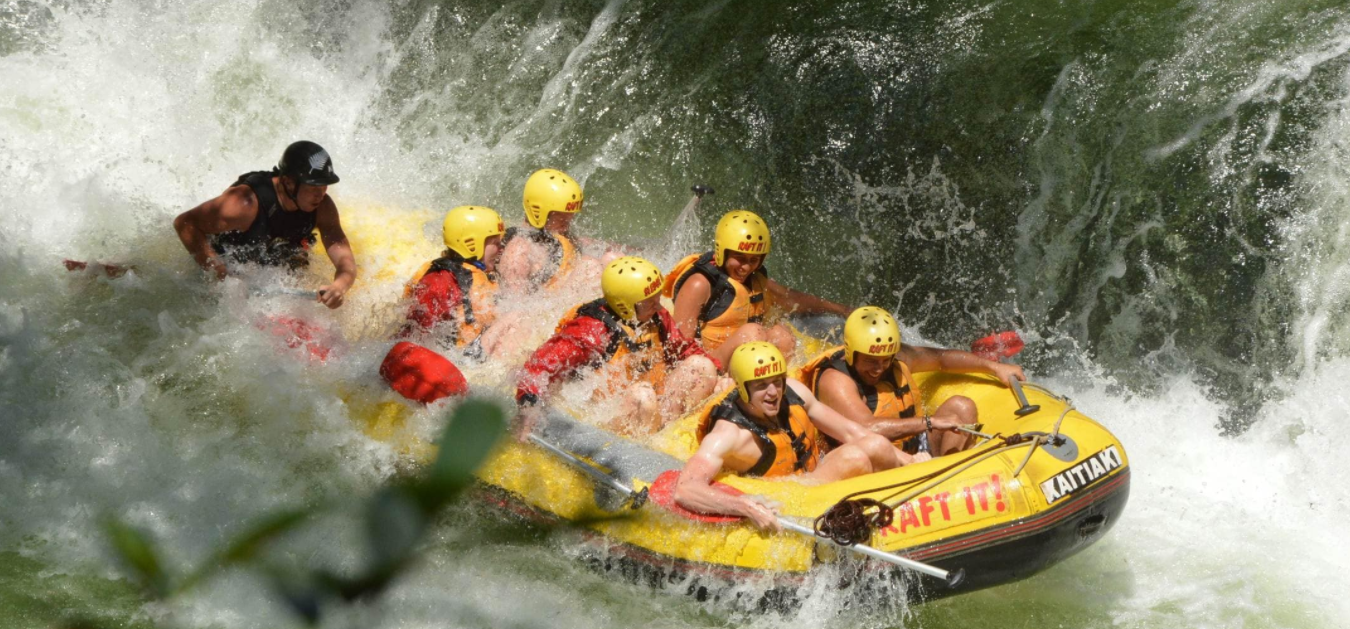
269,218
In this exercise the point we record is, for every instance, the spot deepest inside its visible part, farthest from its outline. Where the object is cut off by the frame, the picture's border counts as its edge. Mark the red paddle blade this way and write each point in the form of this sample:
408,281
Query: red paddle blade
998,345
112,270
297,333
662,492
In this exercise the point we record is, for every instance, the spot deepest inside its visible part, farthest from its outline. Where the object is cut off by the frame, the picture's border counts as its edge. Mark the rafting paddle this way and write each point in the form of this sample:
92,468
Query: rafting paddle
285,292
111,270
998,346
662,492
635,499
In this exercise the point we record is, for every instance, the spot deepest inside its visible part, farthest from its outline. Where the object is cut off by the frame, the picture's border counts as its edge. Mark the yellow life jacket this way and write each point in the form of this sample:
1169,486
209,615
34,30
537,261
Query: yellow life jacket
562,254
631,355
894,397
730,305
790,446
475,311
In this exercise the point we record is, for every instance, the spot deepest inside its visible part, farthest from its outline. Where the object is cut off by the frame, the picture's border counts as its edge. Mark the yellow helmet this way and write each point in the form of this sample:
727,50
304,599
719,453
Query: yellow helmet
467,228
627,281
548,191
870,330
757,360
740,230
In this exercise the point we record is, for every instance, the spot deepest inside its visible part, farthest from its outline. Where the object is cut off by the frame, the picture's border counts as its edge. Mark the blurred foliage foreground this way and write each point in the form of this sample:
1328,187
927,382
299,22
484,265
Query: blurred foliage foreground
396,517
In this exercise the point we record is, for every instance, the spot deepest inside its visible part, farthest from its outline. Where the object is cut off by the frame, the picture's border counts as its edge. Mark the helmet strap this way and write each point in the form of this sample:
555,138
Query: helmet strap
289,194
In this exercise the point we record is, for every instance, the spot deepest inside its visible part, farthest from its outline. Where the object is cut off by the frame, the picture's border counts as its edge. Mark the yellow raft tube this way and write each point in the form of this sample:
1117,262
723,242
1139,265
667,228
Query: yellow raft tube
1042,488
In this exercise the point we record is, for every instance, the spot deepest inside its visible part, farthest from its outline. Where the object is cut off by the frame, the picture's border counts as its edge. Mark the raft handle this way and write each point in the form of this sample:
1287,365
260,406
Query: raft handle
1090,525
1027,408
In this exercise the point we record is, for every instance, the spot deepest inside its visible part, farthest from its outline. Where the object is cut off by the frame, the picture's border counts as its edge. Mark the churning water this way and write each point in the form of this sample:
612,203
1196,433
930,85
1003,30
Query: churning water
1154,193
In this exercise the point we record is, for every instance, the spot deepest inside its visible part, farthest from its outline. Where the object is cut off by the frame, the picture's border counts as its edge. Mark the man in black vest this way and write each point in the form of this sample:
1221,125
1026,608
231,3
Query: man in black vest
269,217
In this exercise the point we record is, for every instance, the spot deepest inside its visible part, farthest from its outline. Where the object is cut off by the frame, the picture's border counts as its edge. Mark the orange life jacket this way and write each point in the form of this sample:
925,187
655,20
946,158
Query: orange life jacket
562,253
476,291
894,397
631,355
730,305
792,445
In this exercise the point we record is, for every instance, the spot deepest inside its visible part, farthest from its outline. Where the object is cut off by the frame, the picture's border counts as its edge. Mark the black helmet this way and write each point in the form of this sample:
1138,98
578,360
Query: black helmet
307,163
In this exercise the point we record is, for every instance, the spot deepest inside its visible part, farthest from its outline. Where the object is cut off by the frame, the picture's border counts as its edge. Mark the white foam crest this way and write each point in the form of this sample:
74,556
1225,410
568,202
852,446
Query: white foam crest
138,112
1318,261
1226,531
1269,83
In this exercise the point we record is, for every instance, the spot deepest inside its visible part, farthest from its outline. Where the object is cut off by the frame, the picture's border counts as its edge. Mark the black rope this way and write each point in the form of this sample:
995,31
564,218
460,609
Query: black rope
848,521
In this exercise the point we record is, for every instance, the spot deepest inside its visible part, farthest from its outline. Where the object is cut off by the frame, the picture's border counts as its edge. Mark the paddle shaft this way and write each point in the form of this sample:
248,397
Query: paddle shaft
111,270
951,578
590,470
286,292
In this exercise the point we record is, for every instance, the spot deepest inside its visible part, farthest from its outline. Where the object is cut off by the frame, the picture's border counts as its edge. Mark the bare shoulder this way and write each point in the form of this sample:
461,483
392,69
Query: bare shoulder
725,430
237,202
327,212
696,282
735,446
724,439
694,291
833,381
241,194
233,210
802,391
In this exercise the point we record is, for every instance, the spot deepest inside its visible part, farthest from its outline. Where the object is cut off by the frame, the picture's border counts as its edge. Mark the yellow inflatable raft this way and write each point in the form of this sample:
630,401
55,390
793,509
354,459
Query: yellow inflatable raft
1041,487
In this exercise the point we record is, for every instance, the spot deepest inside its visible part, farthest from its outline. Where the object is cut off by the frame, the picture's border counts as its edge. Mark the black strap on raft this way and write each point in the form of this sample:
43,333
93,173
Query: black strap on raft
453,263
722,292
728,411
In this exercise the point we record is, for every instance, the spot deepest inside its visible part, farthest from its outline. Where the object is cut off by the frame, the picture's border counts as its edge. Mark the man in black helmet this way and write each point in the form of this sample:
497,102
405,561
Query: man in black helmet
269,218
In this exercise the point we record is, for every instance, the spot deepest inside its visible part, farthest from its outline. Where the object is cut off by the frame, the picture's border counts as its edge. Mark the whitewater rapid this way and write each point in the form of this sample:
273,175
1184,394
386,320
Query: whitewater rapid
155,396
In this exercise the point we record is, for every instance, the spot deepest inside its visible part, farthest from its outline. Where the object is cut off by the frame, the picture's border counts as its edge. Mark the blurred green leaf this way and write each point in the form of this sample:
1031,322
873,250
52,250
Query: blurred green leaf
246,545
139,554
467,441
396,518
395,522
301,593
368,585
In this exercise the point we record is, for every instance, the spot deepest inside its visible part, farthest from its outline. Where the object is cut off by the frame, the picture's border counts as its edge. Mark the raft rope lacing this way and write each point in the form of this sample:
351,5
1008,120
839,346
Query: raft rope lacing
852,520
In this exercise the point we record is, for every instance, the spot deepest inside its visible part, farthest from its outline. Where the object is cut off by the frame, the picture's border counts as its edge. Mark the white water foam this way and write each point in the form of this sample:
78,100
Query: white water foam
179,413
